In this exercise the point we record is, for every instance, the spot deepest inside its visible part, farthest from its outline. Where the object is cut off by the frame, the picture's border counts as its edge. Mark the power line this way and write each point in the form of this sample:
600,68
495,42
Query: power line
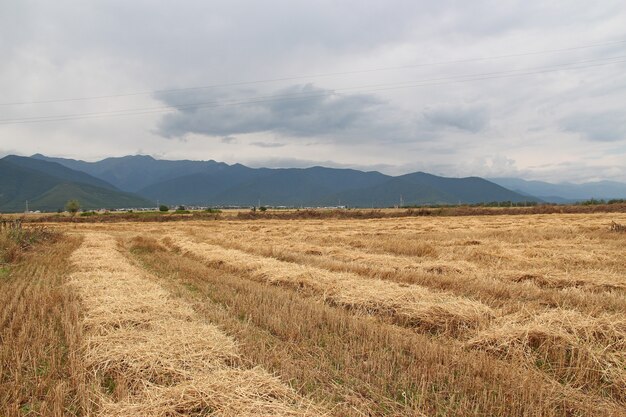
300,96
330,74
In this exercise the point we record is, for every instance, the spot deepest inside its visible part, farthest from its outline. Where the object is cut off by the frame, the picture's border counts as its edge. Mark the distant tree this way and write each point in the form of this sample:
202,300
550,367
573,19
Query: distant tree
263,208
163,207
72,206
181,208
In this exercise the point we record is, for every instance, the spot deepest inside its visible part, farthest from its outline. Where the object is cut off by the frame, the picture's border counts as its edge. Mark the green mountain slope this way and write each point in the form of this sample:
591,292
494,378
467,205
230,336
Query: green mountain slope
21,182
58,171
90,197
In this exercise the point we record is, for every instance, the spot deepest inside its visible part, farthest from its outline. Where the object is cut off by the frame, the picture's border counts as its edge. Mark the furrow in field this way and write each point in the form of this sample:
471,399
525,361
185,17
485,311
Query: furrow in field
410,305
153,356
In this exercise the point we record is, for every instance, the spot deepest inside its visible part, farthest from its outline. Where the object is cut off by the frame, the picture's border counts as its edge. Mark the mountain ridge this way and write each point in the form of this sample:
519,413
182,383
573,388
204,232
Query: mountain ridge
216,183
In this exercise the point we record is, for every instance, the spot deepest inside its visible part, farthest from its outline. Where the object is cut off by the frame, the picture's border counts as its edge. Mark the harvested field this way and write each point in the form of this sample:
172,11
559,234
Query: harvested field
148,349
411,305
454,316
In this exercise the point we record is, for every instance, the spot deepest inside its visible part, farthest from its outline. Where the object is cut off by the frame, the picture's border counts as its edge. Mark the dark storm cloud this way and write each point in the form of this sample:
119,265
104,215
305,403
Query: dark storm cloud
600,127
299,110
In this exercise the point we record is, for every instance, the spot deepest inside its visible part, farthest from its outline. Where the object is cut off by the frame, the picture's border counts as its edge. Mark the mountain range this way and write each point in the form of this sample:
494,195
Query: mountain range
142,181
216,183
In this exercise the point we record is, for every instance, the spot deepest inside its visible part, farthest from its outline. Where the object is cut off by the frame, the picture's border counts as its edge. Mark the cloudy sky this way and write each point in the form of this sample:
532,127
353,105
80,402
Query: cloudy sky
530,88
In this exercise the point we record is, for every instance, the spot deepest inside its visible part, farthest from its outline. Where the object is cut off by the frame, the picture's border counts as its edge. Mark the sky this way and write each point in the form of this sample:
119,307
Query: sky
528,89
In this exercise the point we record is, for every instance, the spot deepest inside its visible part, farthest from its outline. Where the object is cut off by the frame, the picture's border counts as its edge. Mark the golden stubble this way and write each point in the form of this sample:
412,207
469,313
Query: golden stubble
153,356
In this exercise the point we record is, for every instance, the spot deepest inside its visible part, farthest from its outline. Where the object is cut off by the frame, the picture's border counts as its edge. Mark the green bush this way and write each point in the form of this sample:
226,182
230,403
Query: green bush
72,206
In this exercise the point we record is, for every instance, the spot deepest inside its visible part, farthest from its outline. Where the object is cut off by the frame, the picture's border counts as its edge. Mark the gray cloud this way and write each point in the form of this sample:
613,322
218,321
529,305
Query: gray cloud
468,118
601,127
299,110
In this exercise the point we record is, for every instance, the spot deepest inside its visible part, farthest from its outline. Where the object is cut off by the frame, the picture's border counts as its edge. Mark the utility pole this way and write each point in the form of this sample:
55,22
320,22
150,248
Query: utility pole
26,207
401,201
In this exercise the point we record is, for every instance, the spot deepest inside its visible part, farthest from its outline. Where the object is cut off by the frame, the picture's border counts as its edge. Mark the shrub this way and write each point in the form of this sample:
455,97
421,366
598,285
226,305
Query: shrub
164,208
72,206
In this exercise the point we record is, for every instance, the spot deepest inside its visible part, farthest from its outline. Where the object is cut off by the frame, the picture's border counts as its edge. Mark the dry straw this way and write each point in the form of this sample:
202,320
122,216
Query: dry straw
412,305
227,392
588,352
153,356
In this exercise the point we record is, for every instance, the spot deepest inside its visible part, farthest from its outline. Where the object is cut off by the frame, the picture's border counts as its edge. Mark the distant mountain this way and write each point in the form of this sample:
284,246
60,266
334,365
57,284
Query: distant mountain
468,190
240,185
132,173
216,183
564,192
48,186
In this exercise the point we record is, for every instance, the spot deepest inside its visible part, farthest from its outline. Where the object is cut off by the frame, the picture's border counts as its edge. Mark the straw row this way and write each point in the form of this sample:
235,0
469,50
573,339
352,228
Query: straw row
153,356
411,305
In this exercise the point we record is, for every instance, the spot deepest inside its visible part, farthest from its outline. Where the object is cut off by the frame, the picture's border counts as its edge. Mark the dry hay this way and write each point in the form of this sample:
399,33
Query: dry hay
382,263
165,353
410,304
228,392
151,353
586,351
599,282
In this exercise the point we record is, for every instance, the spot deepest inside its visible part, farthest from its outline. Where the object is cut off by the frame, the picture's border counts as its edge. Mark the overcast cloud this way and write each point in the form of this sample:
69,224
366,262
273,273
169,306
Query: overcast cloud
472,116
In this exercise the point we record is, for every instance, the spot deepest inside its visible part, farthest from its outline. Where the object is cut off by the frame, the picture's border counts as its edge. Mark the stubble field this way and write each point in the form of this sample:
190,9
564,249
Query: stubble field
439,316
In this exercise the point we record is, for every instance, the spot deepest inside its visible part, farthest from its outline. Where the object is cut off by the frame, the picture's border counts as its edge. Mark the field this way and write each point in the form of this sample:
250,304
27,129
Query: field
493,315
